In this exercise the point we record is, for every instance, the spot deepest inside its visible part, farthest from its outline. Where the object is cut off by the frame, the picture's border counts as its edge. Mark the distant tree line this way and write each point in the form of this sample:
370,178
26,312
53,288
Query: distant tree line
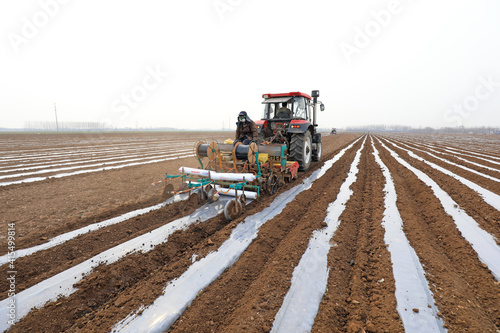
409,129
98,126
81,126
64,126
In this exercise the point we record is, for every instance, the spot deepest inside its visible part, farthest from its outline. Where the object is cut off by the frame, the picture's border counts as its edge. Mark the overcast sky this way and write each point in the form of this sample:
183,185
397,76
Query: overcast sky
196,64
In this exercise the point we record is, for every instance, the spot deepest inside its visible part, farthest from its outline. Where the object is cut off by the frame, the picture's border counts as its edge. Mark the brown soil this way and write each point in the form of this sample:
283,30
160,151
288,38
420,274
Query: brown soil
54,206
247,296
465,291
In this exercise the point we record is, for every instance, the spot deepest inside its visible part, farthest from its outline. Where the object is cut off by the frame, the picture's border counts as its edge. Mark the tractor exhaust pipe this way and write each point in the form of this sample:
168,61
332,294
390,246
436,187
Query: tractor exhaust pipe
315,95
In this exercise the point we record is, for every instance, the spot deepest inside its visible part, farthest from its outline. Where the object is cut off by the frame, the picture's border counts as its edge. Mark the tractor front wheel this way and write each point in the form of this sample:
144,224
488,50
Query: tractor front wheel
316,154
301,150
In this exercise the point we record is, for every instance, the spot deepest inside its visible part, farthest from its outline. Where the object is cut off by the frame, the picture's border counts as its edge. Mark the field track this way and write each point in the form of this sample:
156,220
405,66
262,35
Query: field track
389,233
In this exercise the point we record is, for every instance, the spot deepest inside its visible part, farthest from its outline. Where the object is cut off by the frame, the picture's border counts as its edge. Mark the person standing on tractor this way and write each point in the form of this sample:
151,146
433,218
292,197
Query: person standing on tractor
246,130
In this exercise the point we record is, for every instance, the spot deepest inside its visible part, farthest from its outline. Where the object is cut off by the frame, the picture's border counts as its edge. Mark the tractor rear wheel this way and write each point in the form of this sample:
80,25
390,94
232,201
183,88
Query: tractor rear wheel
301,150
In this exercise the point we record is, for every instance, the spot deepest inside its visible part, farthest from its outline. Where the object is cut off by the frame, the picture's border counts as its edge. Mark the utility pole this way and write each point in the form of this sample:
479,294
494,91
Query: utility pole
55,111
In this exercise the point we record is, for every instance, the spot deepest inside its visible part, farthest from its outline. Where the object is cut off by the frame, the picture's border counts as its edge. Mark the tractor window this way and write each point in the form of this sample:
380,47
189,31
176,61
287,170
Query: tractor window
300,107
268,111
272,107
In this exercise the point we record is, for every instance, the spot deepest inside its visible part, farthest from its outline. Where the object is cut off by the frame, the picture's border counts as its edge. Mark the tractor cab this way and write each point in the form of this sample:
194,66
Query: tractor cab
289,107
283,110
293,105
290,118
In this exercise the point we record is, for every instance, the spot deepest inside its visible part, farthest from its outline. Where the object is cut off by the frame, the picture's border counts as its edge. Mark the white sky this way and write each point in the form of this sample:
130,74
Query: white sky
222,55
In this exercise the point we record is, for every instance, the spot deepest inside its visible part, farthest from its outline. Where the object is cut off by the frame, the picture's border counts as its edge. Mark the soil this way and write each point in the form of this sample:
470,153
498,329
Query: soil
360,294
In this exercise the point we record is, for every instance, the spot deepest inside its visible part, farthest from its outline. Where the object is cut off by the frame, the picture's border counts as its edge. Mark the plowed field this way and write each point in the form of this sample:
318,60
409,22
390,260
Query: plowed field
388,233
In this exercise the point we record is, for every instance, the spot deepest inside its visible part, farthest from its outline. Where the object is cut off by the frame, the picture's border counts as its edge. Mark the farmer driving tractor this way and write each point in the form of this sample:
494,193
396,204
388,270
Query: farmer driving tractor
246,130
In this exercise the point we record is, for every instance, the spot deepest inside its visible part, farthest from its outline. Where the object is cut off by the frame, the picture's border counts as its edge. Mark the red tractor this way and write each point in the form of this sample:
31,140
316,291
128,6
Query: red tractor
290,118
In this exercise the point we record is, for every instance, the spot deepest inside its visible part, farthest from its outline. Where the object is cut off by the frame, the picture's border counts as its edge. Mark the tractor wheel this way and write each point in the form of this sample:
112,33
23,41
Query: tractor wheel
272,185
202,196
168,191
213,195
301,150
233,209
316,154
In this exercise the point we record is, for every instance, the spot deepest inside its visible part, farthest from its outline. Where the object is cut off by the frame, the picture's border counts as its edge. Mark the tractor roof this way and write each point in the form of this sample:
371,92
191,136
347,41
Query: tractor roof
289,94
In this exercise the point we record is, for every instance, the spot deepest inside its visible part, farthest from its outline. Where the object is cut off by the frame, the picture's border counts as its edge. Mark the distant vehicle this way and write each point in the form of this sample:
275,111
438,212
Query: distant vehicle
334,131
